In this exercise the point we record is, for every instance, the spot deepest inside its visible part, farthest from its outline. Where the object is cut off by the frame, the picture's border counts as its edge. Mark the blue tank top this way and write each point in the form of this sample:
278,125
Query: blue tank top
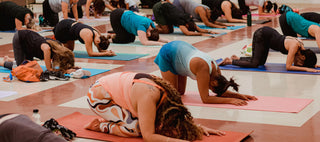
299,24
176,56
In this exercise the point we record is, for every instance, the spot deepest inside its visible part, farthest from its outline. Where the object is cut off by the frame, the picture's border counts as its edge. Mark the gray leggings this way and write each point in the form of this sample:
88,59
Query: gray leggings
19,54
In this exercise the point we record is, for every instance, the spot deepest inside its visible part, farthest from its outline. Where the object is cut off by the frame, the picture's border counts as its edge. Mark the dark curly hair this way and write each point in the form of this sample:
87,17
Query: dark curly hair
224,84
154,34
310,58
191,26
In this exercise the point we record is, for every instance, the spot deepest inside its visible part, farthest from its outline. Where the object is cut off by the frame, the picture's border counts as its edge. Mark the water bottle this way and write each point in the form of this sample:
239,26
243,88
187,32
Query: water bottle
14,65
36,117
249,19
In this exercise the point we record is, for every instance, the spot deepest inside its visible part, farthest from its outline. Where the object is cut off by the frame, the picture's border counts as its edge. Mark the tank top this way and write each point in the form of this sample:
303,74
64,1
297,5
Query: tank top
119,85
31,43
276,40
76,28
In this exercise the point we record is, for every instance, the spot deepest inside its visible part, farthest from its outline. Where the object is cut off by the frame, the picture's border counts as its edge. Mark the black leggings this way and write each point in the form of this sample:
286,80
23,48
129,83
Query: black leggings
243,7
80,12
122,36
286,29
260,50
311,16
50,16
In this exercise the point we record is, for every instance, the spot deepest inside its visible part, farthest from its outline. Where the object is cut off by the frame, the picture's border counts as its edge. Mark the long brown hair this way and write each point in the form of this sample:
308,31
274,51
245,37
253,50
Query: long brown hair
61,56
173,119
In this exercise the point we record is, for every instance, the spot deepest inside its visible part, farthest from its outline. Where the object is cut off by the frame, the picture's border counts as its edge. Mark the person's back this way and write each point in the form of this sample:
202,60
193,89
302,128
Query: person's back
298,23
133,22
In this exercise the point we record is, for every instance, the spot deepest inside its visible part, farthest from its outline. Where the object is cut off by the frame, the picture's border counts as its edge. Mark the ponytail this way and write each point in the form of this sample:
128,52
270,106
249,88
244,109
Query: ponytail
224,84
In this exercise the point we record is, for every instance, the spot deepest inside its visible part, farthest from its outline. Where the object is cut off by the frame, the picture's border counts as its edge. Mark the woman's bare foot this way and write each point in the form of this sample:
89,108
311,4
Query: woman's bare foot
235,57
226,61
94,125
7,59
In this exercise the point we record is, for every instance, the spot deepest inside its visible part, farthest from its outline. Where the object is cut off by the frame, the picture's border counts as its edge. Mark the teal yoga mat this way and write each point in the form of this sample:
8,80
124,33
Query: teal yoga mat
212,35
93,71
13,31
120,56
228,28
4,70
268,67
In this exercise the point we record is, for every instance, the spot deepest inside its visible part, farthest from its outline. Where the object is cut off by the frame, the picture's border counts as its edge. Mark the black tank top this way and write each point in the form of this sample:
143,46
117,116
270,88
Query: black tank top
31,43
76,28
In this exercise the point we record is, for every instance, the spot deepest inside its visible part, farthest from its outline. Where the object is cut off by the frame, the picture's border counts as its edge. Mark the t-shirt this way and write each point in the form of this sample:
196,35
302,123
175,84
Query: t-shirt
55,5
9,11
255,2
133,22
31,43
189,7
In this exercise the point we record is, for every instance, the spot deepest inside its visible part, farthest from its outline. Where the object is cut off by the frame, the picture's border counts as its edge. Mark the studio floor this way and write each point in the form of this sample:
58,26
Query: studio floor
60,98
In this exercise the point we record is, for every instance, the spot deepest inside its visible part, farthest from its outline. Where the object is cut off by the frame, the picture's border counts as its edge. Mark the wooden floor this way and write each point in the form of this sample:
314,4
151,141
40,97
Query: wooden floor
268,128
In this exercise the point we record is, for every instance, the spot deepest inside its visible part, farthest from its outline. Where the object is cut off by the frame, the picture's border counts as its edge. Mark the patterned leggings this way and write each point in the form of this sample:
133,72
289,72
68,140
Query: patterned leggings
118,121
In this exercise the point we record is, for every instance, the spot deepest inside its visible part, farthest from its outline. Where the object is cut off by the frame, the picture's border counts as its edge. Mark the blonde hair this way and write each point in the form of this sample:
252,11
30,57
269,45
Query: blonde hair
61,56
173,119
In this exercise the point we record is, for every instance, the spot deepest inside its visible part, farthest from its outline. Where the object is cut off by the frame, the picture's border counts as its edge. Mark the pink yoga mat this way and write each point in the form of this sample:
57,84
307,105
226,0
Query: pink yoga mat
76,122
257,15
264,103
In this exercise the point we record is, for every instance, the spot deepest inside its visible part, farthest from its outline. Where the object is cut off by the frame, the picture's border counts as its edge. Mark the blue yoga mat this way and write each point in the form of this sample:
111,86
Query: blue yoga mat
268,67
212,35
93,71
13,31
120,56
228,28
4,70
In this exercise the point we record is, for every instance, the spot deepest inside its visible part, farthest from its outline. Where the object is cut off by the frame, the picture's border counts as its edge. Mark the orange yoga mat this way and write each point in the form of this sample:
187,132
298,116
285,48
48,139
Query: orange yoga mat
264,103
76,122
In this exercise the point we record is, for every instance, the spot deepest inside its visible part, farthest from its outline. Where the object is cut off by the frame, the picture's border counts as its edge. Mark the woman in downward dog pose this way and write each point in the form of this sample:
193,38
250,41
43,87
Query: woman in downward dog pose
178,60
139,104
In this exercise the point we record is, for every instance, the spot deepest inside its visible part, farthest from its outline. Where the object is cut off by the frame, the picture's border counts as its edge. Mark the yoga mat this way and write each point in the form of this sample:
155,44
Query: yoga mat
4,94
13,31
257,15
228,28
76,122
212,35
306,38
264,103
92,71
4,70
268,67
253,21
136,43
314,49
120,56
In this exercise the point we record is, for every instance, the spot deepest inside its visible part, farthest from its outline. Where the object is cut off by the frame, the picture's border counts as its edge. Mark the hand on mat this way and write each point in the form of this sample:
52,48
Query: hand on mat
237,102
205,34
110,53
317,66
212,32
250,97
312,70
207,131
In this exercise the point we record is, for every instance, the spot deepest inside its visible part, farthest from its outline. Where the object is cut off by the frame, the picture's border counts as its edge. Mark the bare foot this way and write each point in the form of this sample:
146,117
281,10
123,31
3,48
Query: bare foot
235,57
7,59
226,61
94,125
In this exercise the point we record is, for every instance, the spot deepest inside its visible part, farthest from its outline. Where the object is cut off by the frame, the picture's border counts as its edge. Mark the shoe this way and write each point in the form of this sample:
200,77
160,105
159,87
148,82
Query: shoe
58,75
44,76
80,73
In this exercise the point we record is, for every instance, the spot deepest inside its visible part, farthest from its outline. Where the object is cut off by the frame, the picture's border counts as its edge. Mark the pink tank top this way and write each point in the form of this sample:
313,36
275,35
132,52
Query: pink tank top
118,85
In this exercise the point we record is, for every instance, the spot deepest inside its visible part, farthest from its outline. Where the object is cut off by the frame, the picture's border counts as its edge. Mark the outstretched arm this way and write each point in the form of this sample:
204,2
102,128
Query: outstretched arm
204,18
145,41
47,55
